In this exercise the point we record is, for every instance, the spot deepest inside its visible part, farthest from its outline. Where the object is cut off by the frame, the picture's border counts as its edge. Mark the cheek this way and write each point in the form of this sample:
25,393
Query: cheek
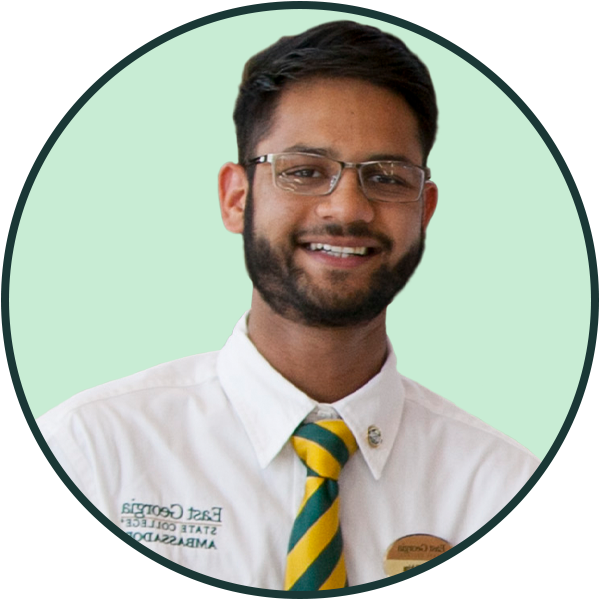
272,211
277,214
402,223
276,220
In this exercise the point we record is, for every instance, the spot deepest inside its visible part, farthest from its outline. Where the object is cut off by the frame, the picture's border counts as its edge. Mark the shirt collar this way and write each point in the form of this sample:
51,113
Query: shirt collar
271,408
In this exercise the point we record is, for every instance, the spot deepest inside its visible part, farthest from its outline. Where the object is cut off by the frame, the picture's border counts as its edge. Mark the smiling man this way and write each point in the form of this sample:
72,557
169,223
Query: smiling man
328,243
297,457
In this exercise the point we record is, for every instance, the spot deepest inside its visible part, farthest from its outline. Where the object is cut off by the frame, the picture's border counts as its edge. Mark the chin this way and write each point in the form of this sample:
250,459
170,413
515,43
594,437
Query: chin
287,288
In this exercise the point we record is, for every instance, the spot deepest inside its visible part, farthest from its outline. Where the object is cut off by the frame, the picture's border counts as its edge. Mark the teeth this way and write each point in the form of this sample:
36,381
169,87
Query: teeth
341,251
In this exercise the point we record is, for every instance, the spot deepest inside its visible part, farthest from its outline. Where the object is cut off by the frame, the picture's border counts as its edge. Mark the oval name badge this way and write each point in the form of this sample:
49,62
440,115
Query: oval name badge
411,551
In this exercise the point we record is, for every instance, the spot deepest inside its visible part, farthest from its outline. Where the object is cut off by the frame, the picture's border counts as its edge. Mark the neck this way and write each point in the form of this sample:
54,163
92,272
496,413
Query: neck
325,363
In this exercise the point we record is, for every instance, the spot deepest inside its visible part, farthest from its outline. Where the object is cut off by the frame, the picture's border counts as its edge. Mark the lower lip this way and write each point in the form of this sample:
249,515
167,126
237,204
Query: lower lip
350,262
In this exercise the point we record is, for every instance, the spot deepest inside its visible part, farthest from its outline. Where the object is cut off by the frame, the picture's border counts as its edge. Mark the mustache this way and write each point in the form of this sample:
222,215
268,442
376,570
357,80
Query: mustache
357,230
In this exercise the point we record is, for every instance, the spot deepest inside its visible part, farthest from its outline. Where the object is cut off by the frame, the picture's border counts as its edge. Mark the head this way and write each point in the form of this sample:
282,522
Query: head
340,49
353,94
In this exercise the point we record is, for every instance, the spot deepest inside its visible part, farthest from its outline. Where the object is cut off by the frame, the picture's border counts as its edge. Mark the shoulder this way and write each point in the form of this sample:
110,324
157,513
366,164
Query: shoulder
461,468
117,426
439,415
170,379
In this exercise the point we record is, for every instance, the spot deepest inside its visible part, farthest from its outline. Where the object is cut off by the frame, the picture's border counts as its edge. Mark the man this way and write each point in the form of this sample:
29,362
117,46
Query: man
248,464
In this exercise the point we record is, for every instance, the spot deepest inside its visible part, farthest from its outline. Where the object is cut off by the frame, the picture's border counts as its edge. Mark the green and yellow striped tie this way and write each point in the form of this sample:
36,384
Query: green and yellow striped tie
315,558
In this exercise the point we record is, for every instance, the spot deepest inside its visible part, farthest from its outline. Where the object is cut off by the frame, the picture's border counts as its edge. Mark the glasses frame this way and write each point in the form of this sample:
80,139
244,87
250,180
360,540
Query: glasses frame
333,183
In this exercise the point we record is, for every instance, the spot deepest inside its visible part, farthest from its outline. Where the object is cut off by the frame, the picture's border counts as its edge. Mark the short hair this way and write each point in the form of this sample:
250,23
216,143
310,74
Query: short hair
336,49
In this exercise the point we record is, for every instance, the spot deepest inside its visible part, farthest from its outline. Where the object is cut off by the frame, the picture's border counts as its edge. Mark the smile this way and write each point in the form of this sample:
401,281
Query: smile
339,251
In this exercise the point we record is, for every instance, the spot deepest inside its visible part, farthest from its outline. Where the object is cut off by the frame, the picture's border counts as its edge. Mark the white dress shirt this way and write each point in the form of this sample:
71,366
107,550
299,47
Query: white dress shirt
192,459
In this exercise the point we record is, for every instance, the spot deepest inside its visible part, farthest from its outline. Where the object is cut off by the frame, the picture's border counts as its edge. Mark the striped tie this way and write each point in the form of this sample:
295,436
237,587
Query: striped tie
315,559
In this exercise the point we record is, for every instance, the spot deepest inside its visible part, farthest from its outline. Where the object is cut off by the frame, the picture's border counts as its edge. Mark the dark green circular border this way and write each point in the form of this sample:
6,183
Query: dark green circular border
593,269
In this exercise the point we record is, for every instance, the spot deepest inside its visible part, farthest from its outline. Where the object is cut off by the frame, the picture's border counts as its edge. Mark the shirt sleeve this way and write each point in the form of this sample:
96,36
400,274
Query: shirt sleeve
66,442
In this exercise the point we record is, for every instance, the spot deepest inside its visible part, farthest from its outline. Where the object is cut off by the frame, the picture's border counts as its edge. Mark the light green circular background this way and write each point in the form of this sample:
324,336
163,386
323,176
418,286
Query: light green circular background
121,261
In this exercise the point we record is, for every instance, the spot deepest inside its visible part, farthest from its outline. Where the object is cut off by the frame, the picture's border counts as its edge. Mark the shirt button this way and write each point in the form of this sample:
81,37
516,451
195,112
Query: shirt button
374,436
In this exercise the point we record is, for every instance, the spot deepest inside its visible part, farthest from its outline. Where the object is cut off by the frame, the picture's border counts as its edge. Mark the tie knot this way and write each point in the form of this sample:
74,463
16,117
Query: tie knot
324,447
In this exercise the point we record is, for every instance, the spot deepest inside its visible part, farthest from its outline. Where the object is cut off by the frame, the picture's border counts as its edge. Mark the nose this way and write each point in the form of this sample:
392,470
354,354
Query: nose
347,203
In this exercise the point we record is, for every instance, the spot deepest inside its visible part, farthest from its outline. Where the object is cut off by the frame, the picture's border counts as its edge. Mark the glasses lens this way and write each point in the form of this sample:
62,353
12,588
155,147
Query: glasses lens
392,181
305,174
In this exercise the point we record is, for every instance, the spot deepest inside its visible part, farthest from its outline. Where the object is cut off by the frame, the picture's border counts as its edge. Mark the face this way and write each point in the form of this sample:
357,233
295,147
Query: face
293,243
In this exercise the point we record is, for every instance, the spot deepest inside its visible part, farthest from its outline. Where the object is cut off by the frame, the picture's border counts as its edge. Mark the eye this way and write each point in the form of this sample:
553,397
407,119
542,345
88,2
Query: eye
303,173
391,180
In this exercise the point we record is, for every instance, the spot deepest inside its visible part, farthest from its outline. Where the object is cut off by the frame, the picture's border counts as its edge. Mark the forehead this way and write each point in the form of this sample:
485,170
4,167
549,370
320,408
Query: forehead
349,119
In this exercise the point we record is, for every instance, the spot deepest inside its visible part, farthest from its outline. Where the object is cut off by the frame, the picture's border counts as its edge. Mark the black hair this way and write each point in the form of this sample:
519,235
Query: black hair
335,49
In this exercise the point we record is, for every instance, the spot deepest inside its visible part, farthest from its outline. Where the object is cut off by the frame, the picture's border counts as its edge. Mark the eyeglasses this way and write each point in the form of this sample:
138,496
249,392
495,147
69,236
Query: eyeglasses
315,175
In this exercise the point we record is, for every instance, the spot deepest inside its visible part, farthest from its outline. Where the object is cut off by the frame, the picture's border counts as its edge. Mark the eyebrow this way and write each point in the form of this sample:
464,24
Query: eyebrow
330,152
323,151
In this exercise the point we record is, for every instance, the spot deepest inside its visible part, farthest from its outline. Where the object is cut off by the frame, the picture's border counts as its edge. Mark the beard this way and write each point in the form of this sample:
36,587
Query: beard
287,289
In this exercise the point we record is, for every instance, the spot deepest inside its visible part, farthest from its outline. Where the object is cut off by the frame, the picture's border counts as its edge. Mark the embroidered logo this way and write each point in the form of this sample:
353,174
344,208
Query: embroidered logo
173,524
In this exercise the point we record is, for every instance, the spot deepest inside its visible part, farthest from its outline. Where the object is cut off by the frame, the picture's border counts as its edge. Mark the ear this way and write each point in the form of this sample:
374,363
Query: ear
430,199
233,191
